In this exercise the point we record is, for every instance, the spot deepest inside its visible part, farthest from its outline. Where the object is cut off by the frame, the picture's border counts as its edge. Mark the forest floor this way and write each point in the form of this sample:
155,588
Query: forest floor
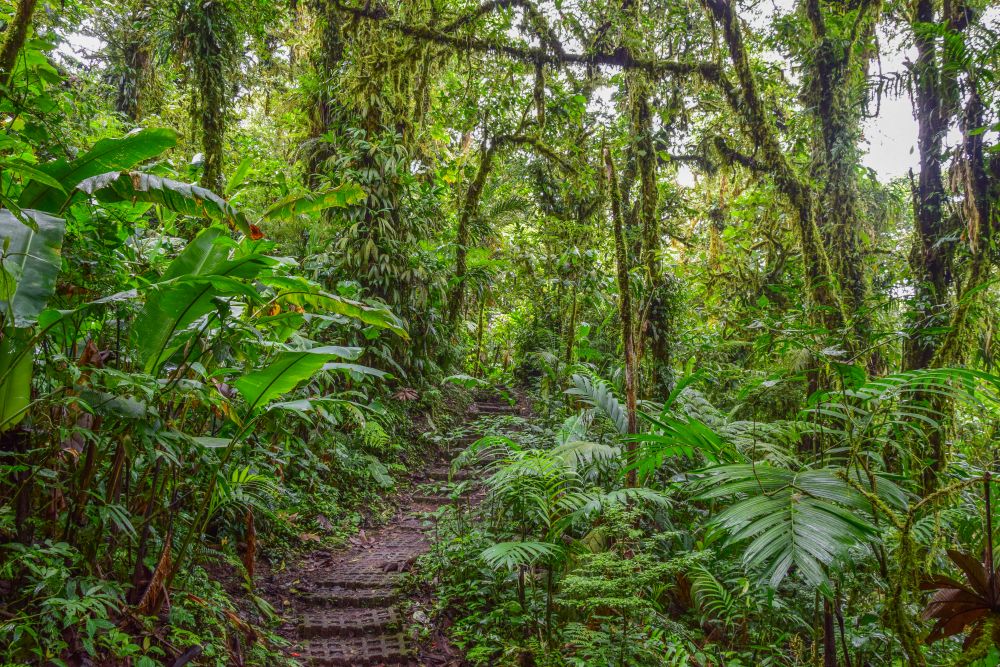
347,607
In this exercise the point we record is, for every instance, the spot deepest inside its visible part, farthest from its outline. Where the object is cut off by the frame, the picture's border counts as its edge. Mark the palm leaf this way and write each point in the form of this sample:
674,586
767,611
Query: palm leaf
598,393
512,555
806,519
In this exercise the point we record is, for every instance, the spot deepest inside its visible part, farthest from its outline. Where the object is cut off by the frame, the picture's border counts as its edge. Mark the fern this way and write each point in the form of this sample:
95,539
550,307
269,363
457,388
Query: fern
242,490
713,599
374,436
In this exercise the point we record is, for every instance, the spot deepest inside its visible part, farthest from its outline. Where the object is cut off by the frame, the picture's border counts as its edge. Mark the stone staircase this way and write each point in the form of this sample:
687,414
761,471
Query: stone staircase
350,612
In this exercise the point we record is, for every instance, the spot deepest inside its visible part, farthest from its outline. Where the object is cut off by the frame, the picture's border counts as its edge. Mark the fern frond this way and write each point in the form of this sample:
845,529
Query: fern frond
713,599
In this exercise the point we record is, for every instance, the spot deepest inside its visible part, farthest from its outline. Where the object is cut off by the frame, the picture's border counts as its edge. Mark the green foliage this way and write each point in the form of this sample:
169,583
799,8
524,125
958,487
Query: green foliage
184,198
255,254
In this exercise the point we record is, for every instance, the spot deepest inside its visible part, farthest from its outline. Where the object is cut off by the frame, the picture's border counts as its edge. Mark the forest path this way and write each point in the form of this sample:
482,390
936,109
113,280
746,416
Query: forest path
349,601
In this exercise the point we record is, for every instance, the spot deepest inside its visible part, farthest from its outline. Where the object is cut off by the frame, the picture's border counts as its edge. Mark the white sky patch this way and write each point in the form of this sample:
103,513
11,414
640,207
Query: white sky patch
77,45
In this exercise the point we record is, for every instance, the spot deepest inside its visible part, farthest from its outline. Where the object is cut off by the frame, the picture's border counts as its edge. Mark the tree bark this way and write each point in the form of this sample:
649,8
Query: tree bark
456,300
326,61
17,33
625,312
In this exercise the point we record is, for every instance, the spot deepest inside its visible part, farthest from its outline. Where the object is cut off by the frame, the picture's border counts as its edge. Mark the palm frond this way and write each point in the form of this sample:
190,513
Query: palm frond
598,393
489,447
511,555
804,519
579,454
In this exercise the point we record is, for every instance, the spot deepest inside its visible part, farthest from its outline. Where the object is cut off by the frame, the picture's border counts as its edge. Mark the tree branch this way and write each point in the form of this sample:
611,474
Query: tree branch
621,57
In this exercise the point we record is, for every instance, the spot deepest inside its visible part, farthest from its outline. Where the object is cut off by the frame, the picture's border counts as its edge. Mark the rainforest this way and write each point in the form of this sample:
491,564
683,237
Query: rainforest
527,333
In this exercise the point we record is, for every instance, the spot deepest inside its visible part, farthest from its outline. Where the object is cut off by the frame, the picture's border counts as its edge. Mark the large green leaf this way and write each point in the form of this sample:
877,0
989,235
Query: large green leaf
598,393
184,198
174,305
106,155
298,291
285,373
15,369
201,273
31,263
804,519
202,256
314,202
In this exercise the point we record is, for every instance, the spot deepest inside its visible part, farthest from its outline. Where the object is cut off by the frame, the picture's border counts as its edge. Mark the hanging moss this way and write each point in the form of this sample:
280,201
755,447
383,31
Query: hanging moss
209,40
539,94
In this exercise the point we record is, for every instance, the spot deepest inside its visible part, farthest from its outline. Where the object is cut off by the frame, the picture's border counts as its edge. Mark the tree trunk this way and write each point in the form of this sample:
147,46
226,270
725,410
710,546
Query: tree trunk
829,636
625,312
326,62
17,33
835,91
571,334
931,257
456,300
479,339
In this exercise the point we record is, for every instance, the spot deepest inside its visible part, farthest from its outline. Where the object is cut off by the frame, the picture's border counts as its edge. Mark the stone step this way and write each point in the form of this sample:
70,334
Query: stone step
358,579
326,623
349,651
392,559
425,499
338,596
494,409
449,475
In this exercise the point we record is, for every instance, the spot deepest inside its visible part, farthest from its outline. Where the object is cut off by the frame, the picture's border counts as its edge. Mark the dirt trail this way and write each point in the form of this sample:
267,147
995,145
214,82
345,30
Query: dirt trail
348,601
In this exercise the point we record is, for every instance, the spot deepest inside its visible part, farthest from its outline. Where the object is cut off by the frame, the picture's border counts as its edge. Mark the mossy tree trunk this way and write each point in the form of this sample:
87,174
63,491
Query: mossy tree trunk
835,90
945,289
759,126
14,38
456,300
622,267
326,61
